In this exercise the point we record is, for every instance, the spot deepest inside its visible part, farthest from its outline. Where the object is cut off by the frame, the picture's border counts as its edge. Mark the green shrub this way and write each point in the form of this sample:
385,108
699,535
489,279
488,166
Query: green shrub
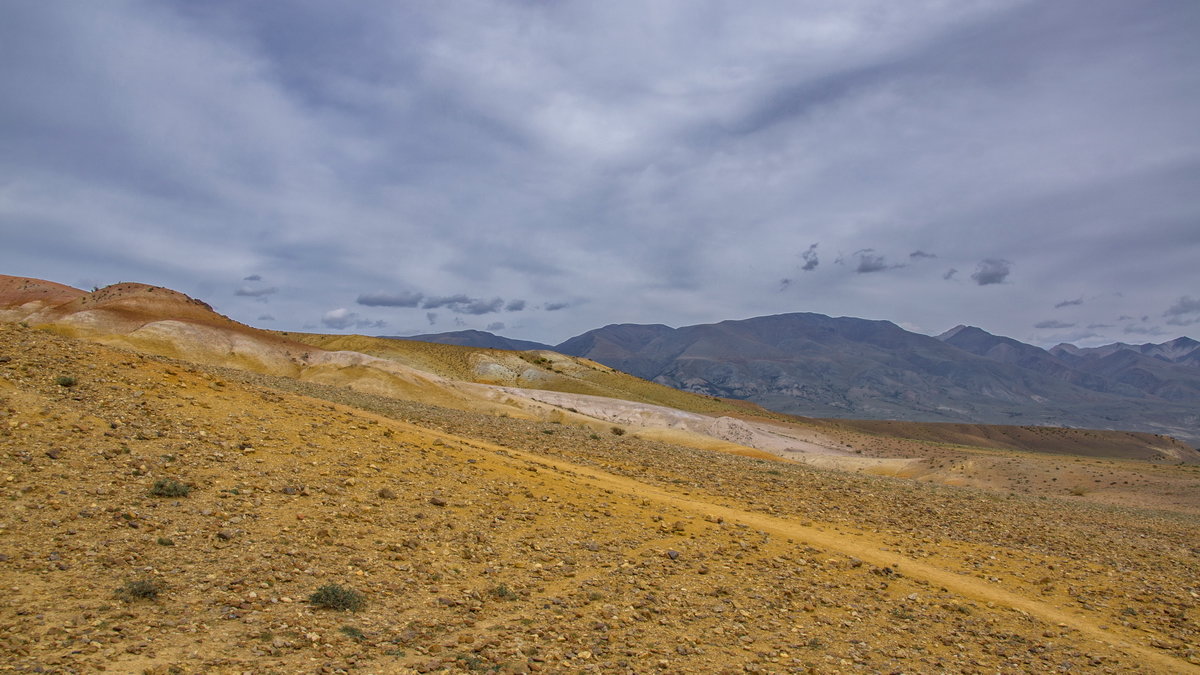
166,541
141,589
341,598
504,592
618,431
65,381
167,487
352,632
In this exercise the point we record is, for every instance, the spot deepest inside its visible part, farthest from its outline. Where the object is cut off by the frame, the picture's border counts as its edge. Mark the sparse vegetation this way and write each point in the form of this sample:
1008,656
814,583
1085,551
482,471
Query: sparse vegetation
504,592
169,487
65,381
139,589
472,662
352,633
165,541
618,431
338,597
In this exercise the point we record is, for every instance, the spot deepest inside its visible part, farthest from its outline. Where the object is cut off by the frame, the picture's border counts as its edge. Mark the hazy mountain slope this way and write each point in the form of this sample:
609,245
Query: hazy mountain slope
1159,371
1154,376
815,365
843,364
1166,370
1182,350
473,338
1013,352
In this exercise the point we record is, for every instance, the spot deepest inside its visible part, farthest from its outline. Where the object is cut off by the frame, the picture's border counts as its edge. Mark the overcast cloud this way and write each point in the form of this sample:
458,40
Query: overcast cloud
574,164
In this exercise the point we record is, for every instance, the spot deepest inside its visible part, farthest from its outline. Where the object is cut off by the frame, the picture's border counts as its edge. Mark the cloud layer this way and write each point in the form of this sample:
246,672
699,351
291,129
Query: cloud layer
569,165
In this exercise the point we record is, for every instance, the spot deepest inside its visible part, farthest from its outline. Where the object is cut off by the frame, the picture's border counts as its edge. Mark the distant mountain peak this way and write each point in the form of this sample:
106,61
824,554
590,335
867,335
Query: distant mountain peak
954,331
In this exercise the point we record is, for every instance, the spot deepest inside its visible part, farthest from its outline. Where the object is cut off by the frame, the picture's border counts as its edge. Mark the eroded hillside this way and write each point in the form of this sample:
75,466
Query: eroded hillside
483,542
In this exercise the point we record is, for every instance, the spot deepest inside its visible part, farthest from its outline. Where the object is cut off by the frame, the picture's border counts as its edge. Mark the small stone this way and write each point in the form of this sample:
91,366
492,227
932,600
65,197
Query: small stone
224,535
437,501
386,493
673,554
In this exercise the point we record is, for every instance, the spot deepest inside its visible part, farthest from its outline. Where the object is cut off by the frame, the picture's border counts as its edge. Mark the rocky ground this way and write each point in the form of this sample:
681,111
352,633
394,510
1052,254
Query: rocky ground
483,543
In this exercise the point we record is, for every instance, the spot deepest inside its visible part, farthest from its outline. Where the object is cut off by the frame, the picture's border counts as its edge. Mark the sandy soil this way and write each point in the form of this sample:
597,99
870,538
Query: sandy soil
483,542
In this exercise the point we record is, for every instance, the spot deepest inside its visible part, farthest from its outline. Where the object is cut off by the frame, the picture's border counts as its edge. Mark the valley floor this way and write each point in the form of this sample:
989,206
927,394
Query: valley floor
484,543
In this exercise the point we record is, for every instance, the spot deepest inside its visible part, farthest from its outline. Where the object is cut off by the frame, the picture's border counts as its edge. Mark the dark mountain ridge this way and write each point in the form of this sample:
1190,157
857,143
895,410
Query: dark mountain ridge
1183,350
816,365
475,338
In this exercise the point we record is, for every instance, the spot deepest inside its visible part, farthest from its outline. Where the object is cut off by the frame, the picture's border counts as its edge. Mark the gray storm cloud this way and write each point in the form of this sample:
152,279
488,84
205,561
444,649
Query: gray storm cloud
1052,324
991,271
342,318
811,261
462,304
249,292
869,262
1185,312
383,299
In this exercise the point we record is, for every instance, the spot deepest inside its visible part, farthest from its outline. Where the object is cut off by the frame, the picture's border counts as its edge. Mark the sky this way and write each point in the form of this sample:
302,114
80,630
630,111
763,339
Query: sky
540,168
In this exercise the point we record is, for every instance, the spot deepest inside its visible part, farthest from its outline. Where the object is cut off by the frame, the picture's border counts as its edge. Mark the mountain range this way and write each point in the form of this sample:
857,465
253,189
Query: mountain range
815,365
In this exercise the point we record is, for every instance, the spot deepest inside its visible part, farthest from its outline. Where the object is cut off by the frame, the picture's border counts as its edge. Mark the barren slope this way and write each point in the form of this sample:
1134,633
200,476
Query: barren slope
485,542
